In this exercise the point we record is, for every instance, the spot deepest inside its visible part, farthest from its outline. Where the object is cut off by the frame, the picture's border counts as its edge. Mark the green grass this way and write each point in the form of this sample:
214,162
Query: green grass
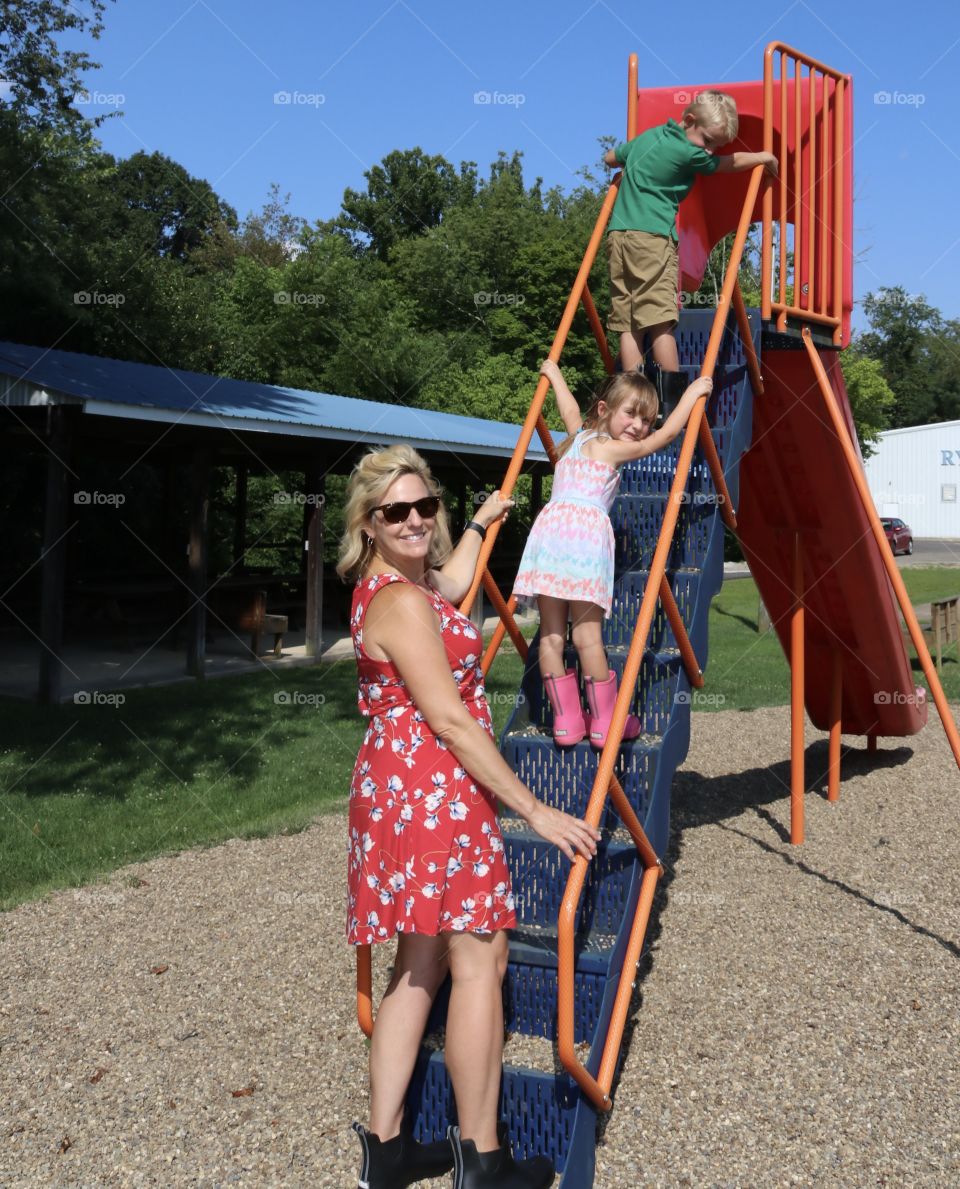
746,670
88,789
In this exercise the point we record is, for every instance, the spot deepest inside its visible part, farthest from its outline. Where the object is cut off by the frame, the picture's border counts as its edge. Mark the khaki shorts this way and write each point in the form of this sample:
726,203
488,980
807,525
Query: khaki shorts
643,280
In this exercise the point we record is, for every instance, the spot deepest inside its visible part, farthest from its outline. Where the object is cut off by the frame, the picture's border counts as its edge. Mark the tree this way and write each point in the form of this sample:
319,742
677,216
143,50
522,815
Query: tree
903,329
871,397
407,194
44,79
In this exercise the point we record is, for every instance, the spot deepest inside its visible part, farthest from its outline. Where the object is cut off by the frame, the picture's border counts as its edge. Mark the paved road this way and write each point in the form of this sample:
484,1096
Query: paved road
932,552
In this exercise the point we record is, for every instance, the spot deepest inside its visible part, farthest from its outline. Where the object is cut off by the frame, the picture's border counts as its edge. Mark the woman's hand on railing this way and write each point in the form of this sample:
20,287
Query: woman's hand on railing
493,508
571,834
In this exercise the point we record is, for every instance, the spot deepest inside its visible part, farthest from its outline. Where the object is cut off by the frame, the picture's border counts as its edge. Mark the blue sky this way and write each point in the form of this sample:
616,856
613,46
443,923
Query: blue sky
197,80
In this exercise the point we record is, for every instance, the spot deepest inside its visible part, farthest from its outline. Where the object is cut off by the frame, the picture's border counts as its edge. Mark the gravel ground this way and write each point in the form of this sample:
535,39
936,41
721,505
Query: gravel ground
191,1020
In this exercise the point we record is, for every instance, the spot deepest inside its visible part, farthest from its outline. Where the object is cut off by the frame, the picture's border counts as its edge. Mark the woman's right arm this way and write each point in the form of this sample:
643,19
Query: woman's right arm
401,623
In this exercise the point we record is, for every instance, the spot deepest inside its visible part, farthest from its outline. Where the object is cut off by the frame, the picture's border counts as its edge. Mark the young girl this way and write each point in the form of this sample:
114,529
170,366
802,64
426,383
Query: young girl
567,564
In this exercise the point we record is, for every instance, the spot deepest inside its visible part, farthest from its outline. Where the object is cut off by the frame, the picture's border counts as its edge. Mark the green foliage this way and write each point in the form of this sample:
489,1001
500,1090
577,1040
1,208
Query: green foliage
919,352
44,78
871,397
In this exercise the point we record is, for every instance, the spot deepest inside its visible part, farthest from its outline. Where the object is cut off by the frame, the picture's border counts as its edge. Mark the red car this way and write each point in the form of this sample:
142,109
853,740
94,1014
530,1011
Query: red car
899,535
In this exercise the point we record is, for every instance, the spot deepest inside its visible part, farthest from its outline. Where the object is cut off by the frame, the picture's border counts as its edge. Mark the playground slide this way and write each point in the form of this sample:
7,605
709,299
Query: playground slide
794,479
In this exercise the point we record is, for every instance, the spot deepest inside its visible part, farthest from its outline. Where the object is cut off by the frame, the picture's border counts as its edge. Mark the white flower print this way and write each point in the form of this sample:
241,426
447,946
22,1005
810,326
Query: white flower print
429,890
458,811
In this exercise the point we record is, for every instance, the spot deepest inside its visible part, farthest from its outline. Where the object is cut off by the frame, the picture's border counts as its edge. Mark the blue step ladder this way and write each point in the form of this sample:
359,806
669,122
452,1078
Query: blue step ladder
545,1109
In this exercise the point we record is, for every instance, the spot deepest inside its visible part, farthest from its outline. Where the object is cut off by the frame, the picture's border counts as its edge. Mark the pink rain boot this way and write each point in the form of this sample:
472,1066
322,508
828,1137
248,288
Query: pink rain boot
601,696
564,694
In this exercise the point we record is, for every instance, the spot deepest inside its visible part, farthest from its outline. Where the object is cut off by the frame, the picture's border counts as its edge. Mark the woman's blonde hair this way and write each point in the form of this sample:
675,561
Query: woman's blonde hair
369,481
614,391
715,109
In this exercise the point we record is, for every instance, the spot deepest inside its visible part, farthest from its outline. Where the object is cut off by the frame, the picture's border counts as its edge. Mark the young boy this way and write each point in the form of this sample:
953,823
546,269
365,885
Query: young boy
659,168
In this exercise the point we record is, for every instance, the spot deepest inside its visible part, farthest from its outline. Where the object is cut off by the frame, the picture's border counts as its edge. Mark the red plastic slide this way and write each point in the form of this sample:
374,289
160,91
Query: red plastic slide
794,478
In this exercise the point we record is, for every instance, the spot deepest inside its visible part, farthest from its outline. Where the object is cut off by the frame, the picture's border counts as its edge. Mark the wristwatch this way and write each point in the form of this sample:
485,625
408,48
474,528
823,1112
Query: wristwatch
480,528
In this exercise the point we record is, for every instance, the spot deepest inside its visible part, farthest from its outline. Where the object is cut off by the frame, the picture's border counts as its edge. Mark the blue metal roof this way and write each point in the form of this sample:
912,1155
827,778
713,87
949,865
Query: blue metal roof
118,388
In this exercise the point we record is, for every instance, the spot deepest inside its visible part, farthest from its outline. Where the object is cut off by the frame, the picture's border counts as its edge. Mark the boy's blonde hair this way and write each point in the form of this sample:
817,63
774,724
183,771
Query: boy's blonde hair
369,481
614,391
715,109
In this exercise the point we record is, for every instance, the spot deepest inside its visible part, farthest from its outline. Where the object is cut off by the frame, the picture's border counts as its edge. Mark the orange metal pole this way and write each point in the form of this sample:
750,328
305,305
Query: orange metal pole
364,990
893,572
838,228
506,615
679,628
797,775
825,179
836,699
766,242
797,183
784,155
812,191
495,641
632,96
536,405
809,315
598,332
546,439
709,448
746,332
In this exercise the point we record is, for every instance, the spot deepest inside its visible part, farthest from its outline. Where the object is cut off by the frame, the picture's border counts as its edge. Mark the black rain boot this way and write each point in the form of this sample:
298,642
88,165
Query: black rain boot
496,1169
670,387
400,1161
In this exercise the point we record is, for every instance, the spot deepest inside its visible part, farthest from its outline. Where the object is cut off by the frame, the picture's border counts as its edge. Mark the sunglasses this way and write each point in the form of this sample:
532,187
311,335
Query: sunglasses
397,513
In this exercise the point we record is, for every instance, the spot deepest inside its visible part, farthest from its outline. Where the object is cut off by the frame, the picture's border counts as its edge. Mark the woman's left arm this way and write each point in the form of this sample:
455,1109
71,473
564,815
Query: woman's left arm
453,578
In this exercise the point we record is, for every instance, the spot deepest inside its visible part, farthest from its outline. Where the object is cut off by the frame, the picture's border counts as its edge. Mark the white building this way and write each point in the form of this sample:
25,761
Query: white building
915,474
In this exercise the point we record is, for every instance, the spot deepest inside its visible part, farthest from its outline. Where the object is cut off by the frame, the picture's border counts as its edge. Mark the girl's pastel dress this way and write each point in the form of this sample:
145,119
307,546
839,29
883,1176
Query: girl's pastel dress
569,553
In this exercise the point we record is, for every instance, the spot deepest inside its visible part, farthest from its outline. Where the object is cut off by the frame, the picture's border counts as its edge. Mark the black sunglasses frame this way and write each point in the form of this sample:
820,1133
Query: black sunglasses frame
400,509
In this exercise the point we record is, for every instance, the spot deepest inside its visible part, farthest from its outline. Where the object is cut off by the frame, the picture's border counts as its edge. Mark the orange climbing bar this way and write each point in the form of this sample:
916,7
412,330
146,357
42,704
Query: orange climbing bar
598,1089
797,699
679,629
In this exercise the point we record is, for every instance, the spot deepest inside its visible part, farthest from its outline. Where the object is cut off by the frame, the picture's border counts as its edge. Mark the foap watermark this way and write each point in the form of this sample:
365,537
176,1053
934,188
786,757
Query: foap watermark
91,297
696,298
304,499
497,697
99,99
699,697
299,98
899,99
696,898
287,297
94,697
110,499
909,499
105,897
700,499
297,697
485,297
499,98
898,697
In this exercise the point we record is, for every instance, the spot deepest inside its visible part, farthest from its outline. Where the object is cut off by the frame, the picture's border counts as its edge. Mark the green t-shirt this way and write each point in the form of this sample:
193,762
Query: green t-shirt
659,167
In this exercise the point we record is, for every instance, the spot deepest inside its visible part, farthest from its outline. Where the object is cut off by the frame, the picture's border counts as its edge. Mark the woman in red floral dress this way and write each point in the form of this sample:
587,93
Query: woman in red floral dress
426,862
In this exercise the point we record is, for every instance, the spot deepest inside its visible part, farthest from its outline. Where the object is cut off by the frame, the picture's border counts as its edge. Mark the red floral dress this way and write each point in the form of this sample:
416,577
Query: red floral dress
425,853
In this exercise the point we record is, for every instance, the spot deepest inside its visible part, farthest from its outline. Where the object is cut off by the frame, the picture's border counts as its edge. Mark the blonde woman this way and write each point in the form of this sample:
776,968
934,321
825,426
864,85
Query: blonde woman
426,859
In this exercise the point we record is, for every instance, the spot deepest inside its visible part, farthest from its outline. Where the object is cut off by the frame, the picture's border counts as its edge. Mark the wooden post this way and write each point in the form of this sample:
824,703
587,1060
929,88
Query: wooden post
315,485
240,513
197,561
797,774
53,565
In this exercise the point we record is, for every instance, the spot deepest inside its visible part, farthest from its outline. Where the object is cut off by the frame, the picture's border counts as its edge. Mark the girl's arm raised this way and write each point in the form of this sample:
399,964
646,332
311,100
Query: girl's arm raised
617,452
566,402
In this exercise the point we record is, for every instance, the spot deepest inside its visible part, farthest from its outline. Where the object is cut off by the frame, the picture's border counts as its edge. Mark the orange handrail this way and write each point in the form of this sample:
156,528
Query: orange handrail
893,571
597,1088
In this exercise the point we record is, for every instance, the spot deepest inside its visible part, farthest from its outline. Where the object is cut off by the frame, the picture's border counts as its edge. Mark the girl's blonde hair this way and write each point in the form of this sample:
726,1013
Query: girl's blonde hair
369,481
715,109
614,391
